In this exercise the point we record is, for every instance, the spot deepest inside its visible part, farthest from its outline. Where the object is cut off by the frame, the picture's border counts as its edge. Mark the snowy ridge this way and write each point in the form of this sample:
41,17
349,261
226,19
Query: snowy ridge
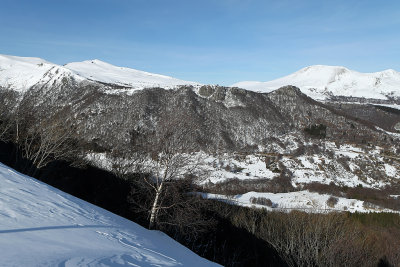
320,82
42,226
21,73
104,72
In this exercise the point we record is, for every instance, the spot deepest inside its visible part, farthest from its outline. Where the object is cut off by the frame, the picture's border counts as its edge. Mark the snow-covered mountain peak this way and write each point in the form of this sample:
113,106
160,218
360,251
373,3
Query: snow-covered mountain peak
321,82
95,62
22,73
13,60
314,68
389,72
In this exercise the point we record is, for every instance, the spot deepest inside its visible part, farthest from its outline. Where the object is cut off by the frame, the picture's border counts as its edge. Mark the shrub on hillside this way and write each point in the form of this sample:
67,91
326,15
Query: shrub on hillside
332,201
261,201
316,130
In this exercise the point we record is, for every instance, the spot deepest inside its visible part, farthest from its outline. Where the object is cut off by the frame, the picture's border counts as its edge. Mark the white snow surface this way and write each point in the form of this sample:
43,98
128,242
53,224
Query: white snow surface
21,73
42,226
320,82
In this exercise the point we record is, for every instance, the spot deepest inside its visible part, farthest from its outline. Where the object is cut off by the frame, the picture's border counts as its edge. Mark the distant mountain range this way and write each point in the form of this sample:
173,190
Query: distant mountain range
322,82
319,82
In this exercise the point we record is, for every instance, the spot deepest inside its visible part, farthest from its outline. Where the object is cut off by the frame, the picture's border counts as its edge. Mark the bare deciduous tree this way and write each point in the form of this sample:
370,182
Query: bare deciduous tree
41,140
8,103
169,156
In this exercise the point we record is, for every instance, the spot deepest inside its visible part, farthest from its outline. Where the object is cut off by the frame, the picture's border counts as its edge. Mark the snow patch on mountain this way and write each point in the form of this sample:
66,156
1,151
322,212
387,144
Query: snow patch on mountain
321,82
42,226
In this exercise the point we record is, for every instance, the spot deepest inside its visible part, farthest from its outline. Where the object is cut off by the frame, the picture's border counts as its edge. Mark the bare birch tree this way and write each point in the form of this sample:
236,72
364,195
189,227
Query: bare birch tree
168,157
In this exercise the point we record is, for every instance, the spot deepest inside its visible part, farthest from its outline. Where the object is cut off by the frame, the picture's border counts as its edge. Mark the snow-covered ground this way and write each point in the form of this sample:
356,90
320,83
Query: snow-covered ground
42,226
319,82
347,165
228,166
300,200
21,73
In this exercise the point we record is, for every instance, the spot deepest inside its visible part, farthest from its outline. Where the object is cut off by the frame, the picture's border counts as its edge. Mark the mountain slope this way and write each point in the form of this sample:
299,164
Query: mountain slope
321,82
42,226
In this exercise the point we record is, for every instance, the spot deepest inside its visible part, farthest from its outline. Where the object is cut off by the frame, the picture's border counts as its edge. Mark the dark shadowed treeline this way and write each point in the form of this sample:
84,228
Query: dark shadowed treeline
334,239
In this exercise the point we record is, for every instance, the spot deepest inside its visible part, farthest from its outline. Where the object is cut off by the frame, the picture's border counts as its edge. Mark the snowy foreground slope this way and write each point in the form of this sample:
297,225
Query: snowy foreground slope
21,73
321,82
42,226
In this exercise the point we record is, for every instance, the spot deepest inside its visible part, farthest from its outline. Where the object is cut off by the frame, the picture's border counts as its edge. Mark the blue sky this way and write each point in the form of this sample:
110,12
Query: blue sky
209,41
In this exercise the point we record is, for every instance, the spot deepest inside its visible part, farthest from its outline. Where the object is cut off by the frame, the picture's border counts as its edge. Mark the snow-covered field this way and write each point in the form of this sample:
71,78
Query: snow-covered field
42,226
319,82
299,200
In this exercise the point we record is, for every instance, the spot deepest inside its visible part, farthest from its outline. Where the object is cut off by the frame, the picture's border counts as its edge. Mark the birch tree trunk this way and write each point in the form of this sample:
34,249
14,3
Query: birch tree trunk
154,207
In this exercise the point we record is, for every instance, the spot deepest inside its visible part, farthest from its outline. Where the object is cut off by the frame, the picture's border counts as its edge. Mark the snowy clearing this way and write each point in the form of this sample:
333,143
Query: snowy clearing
300,200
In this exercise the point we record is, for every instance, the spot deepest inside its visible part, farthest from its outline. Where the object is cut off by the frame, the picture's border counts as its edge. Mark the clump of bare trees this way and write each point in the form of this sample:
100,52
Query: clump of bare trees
38,140
8,102
44,140
261,201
